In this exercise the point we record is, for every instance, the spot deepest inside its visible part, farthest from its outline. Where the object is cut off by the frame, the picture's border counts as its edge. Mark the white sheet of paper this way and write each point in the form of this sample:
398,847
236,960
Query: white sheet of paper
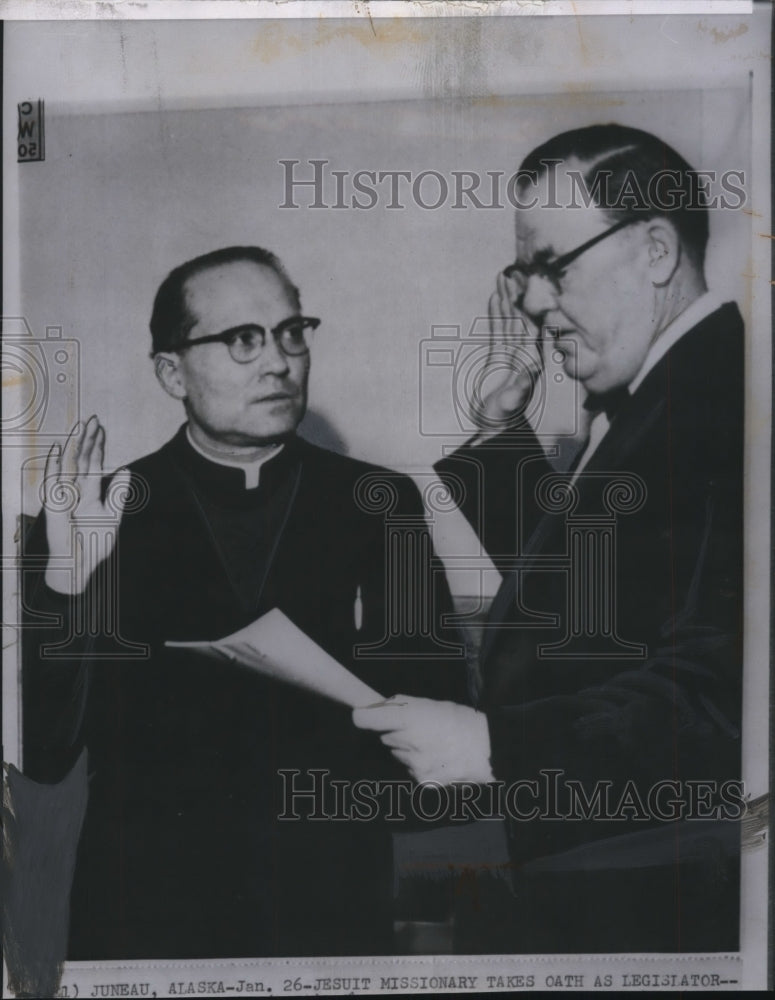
275,647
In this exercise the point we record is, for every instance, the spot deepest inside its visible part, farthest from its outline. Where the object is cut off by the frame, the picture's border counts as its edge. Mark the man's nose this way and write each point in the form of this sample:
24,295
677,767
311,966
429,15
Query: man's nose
539,297
273,360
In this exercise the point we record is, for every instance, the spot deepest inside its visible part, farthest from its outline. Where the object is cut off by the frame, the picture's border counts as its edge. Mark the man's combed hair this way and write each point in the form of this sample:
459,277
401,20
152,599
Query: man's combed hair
171,321
631,173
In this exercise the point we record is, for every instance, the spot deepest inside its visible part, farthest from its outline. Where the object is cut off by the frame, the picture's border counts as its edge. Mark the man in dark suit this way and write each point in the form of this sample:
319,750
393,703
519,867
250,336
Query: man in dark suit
612,659
182,852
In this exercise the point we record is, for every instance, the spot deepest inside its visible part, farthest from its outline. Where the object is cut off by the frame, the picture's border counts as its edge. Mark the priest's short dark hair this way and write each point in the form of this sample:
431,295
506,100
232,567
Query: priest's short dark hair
171,320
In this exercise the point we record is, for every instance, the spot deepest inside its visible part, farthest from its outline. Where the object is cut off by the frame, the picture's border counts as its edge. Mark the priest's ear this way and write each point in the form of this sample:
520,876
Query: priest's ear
168,372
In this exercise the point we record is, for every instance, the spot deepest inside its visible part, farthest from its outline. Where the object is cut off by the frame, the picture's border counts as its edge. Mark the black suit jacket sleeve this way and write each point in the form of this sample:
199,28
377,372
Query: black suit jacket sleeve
424,656
491,479
54,666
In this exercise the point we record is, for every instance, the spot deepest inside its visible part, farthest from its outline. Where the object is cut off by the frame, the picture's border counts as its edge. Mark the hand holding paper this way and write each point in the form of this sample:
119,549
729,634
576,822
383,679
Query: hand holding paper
437,741
275,647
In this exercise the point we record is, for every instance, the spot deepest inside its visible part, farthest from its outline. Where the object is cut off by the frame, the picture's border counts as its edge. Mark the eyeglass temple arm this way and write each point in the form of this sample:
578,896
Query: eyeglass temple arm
561,262
568,258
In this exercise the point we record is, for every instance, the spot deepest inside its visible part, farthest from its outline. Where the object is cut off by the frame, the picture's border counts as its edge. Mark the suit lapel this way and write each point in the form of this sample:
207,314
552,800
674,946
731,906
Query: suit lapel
628,429
625,435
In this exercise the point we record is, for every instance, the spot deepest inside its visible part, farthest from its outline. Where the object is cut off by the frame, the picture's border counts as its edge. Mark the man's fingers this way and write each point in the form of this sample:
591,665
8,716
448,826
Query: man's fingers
384,716
381,718
509,325
90,465
86,444
501,314
507,295
397,741
405,757
495,319
510,292
70,450
98,453
493,305
85,429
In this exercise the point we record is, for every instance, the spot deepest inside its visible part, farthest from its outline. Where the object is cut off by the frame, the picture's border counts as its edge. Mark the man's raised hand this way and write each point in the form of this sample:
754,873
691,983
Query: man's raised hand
81,526
514,363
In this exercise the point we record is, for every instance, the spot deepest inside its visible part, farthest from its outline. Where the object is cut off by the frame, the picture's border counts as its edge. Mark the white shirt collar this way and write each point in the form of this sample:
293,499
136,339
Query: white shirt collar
703,306
252,469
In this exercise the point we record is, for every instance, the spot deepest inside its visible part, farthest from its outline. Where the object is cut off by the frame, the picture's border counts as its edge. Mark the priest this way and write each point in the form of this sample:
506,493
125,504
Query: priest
183,852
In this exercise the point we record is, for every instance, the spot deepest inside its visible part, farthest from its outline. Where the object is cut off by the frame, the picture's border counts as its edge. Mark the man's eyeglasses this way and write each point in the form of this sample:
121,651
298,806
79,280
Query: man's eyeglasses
554,270
246,342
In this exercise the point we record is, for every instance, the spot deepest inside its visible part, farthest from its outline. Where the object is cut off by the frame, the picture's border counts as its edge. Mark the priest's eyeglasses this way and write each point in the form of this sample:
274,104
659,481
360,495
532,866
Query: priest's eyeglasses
554,270
246,342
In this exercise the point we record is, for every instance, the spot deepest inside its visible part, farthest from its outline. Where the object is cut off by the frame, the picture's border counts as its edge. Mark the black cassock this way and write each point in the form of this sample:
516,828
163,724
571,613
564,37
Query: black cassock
643,689
182,853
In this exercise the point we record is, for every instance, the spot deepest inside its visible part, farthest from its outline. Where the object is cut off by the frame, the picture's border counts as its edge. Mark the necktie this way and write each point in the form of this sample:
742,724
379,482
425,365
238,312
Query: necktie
609,402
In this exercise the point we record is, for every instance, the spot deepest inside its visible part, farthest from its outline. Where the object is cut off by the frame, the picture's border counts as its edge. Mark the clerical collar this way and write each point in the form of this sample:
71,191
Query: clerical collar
251,469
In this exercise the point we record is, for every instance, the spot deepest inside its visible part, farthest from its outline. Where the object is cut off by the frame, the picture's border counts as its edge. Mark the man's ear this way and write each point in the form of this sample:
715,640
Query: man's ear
664,251
167,369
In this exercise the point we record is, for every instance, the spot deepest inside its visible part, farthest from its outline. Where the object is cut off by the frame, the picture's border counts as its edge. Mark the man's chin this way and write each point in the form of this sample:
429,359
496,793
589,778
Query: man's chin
264,436
570,365
272,420
580,368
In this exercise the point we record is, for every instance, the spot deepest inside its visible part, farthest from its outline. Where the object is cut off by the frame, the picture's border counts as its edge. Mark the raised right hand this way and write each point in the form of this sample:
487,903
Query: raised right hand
514,363
81,527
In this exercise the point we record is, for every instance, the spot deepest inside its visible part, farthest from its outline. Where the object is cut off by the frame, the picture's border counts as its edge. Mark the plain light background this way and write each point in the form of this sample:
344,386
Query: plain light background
121,198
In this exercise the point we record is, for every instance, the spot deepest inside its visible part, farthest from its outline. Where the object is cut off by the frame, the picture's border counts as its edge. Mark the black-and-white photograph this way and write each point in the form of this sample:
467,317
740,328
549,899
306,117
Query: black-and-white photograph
386,505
